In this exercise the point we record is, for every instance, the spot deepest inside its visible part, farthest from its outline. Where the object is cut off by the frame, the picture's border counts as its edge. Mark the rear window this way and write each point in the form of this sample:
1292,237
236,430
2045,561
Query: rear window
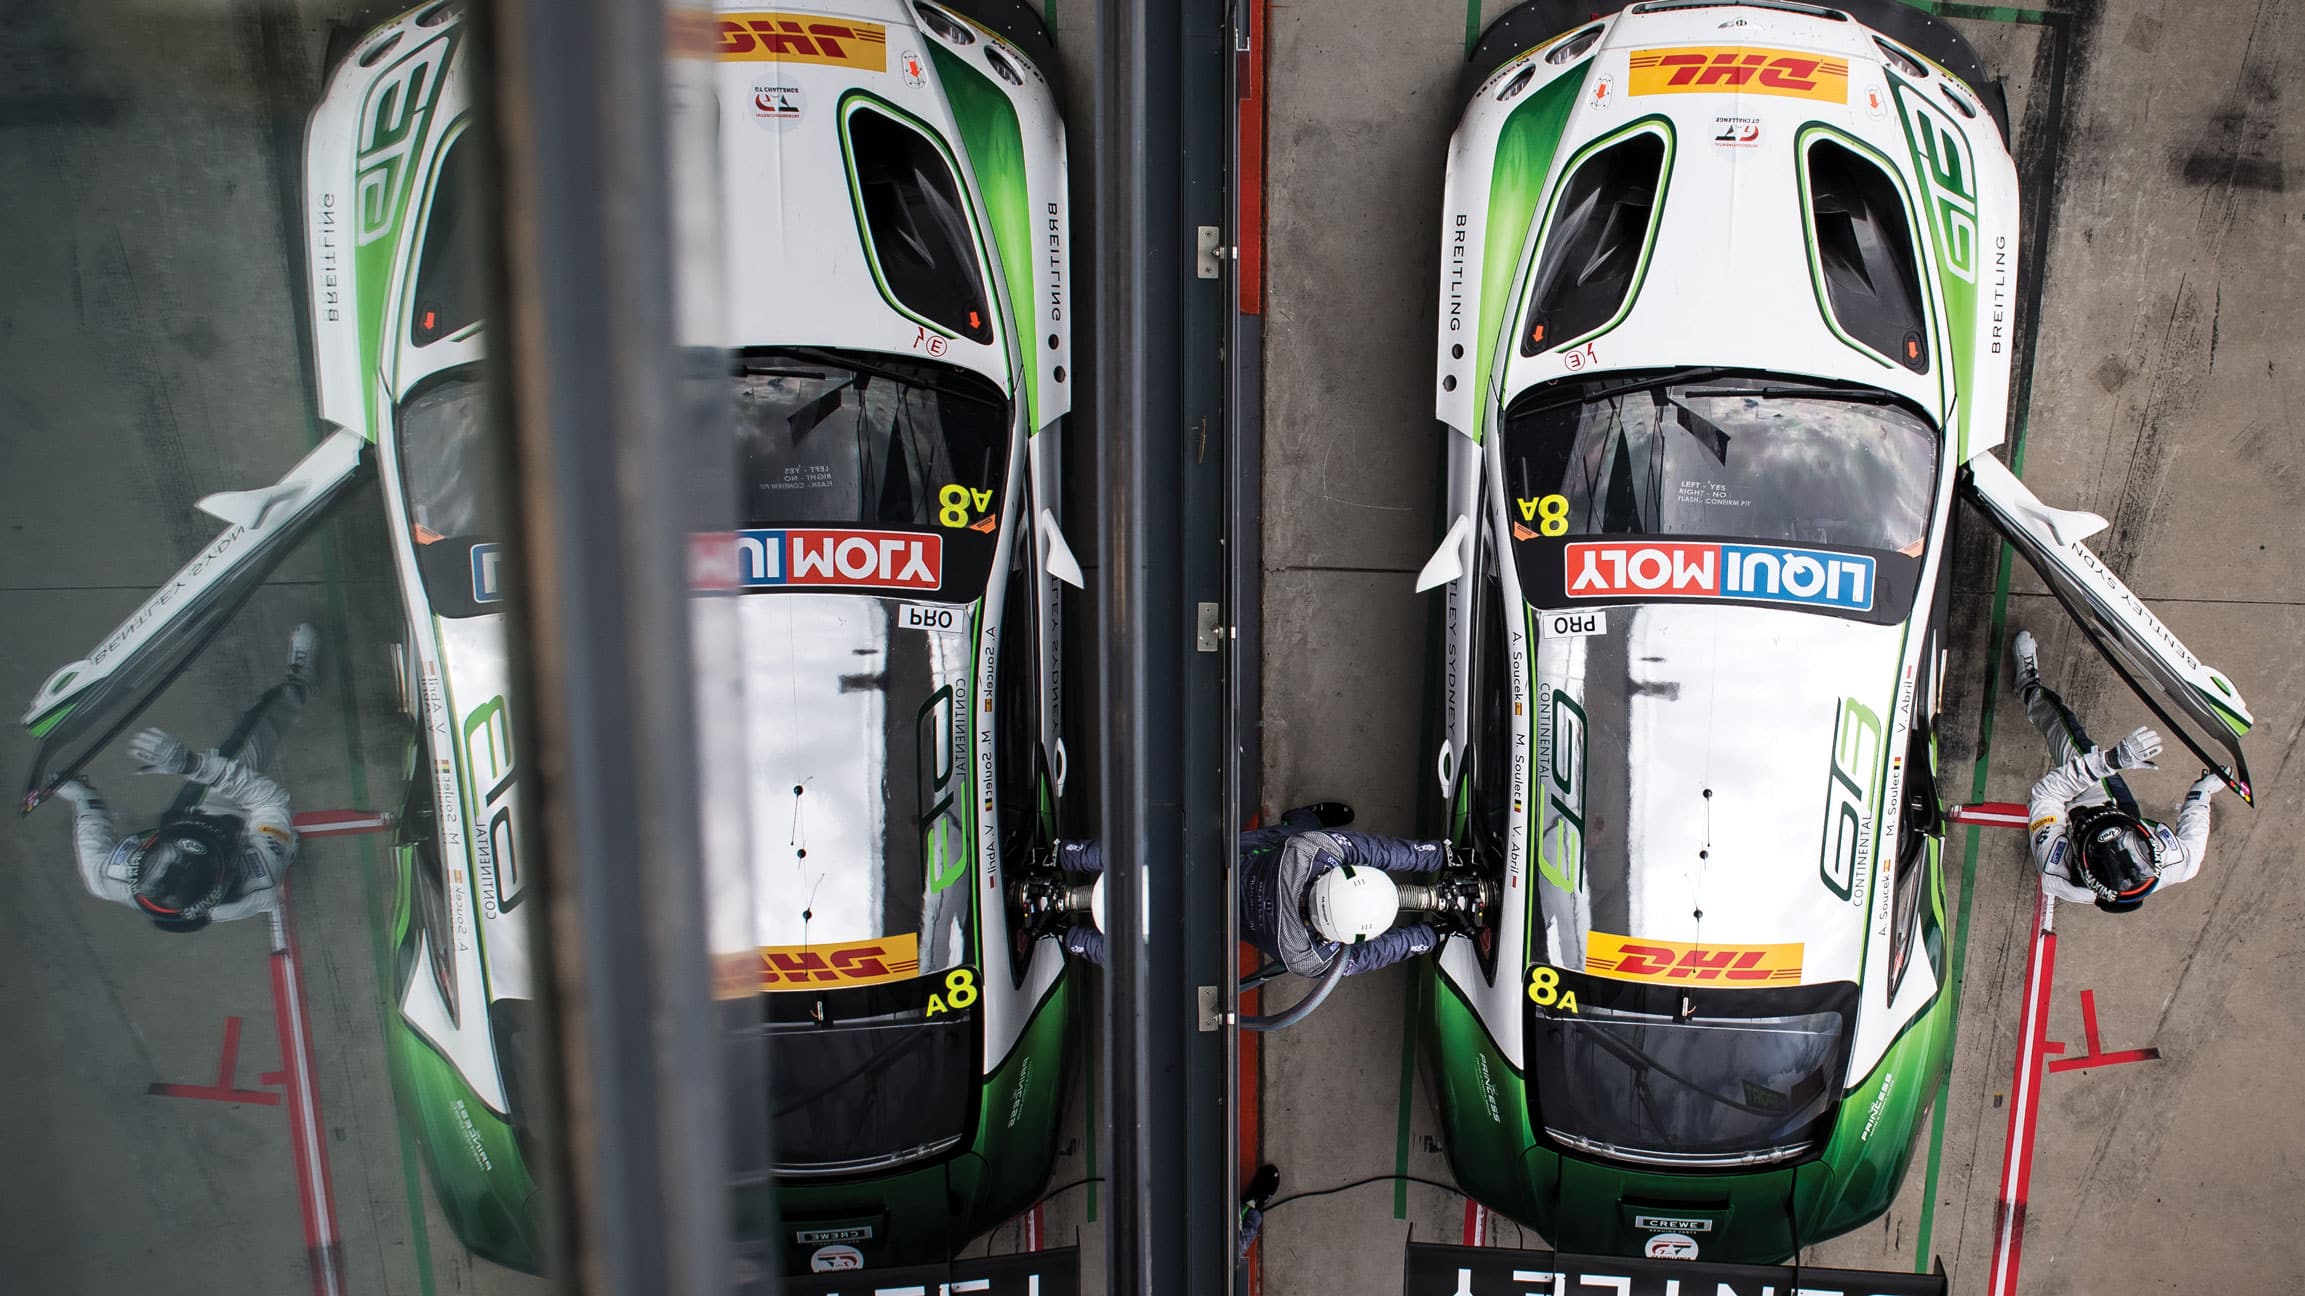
1864,250
1597,242
868,1096
916,225
1662,1075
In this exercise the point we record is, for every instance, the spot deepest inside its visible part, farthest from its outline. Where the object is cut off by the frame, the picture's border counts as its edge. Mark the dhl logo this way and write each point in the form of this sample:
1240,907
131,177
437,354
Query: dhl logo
1739,70
799,38
1626,959
859,963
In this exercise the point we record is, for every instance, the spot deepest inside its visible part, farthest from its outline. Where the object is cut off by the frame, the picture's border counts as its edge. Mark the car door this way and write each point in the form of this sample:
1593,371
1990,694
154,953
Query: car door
2197,702
85,704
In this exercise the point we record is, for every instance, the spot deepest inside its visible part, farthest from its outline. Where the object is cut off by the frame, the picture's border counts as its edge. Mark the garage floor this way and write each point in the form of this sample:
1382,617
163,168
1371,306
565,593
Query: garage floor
2155,402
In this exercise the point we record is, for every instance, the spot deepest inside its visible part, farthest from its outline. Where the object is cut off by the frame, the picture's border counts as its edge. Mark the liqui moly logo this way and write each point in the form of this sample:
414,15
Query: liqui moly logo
789,558
1665,569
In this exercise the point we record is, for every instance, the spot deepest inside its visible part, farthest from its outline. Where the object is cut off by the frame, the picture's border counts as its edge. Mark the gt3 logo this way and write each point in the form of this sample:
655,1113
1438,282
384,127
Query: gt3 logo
797,38
802,967
393,121
1941,153
1674,961
1736,69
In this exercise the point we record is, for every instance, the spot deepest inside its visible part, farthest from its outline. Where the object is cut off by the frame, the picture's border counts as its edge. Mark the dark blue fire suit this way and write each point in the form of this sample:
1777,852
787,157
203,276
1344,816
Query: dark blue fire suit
1277,869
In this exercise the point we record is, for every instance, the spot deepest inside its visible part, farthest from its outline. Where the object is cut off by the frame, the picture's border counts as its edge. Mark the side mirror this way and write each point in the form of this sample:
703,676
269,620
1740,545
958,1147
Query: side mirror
1056,554
1448,561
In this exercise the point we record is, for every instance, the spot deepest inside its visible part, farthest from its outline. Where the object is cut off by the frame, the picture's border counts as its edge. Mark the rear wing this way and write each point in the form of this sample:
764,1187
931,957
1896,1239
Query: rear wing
85,704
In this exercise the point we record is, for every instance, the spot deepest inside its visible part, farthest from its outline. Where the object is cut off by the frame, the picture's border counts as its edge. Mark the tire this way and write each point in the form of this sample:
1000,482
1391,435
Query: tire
1020,24
1524,27
1934,39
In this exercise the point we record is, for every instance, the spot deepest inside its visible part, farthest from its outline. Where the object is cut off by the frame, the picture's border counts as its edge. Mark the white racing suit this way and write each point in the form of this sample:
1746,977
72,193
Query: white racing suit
221,783
2081,778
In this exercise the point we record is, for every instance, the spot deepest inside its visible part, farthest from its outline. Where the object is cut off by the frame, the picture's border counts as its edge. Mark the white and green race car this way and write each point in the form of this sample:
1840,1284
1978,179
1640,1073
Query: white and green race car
1724,332
897,238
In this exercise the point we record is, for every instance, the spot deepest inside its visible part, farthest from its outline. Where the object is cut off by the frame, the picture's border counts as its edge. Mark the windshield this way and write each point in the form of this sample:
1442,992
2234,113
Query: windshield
839,440
1800,468
867,1095
1665,1075
449,465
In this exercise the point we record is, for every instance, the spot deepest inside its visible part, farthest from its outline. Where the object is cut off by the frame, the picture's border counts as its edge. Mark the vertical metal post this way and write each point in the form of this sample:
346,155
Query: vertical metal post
1161,433
591,375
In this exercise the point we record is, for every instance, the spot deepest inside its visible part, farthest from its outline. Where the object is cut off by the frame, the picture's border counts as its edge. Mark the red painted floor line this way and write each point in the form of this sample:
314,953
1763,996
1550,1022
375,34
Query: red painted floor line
315,1197
2096,1056
2025,1104
223,1090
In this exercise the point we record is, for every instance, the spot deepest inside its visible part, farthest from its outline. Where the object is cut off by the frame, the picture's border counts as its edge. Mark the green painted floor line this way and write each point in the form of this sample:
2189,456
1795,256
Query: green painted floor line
356,783
1922,1235
1472,25
1984,13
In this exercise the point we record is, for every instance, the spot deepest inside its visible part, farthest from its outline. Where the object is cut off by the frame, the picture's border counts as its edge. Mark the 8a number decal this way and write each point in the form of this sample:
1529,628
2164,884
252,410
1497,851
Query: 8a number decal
1545,989
959,992
1549,512
953,501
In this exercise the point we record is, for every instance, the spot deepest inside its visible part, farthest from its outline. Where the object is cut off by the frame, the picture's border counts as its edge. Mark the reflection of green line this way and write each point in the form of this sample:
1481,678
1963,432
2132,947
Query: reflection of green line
1091,1088
1982,13
356,780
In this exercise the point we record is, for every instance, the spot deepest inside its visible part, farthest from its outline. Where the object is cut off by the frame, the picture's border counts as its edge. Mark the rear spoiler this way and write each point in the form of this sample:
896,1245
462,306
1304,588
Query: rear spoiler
1433,1270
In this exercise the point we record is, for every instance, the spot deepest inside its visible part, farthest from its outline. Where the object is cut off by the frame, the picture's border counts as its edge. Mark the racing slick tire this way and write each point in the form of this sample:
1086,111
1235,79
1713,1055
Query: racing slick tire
1522,28
1934,39
1020,24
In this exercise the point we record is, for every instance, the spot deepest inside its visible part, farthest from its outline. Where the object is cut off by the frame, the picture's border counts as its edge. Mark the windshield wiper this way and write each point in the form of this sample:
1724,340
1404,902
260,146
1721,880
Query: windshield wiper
944,379
1661,378
1854,396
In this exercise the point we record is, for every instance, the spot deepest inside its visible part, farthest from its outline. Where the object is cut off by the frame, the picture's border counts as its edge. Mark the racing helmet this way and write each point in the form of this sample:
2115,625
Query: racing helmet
183,872
1351,904
2120,860
1096,902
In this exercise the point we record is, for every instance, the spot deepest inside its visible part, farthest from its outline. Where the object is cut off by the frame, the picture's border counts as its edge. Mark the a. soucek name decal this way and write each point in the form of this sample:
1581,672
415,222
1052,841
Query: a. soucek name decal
1621,571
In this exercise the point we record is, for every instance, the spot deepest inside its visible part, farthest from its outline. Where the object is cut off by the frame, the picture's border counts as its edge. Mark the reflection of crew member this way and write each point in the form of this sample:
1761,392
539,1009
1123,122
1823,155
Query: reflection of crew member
227,840
1307,891
2088,839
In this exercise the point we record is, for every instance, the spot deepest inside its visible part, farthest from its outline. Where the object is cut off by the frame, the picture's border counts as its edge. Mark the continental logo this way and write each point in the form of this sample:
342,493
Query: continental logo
802,38
813,967
1676,963
1730,69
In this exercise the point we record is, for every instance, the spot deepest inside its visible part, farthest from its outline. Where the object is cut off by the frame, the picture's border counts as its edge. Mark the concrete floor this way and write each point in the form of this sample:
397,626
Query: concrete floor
2164,345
